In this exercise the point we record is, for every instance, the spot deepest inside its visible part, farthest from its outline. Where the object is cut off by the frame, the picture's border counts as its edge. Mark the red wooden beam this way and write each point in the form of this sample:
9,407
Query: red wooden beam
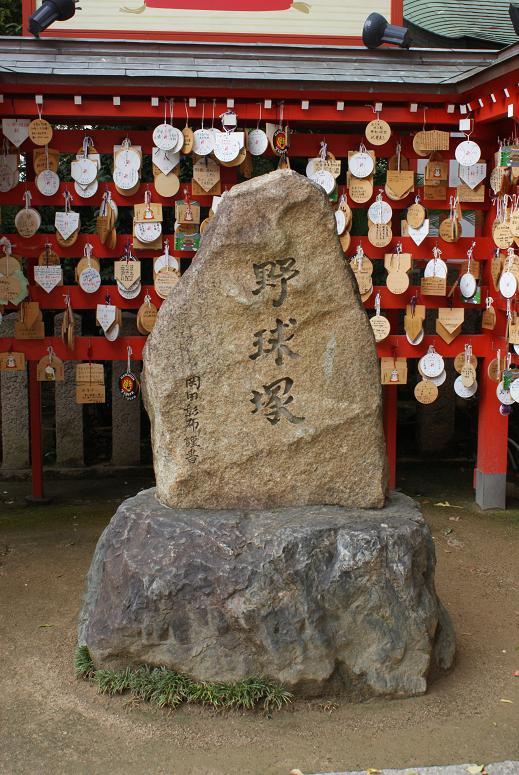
81,300
32,247
136,109
302,143
207,92
86,348
16,196
101,349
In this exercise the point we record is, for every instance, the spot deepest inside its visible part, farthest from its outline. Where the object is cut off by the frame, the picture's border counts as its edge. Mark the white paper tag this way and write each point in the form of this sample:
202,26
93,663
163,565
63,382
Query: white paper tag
324,179
380,212
503,395
148,232
106,314
340,221
48,277
361,165
162,261
418,235
507,285
216,202
66,223
257,142
203,142
47,183
166,161
226,146
8,178
468,153
436,267
16,130
468,285
125,158
83,172
95,157
86,191
90,280
473,175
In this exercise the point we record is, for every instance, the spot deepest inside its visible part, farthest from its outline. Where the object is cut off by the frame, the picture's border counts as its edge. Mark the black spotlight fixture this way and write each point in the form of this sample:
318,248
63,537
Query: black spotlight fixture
513,10
49,12
378,30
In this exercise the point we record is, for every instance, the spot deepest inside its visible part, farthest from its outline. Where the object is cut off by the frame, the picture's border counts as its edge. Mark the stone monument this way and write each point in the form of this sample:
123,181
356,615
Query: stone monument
270,546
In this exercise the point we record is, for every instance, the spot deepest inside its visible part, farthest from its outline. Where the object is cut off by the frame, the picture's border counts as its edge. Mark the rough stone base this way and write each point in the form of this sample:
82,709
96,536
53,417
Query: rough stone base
320,599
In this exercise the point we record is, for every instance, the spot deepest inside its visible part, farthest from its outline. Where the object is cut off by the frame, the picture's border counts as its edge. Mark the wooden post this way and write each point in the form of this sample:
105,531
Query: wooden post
35,431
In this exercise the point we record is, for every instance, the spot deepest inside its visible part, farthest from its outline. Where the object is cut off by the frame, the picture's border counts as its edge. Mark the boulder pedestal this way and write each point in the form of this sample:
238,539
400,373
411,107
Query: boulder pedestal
321,599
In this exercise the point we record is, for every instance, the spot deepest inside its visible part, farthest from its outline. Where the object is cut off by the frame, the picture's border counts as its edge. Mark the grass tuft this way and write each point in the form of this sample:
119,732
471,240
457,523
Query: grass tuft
167,689
83,664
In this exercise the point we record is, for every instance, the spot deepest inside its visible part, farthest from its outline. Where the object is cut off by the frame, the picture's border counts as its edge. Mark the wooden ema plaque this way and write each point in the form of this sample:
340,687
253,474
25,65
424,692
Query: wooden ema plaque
434,286
393,371
90,383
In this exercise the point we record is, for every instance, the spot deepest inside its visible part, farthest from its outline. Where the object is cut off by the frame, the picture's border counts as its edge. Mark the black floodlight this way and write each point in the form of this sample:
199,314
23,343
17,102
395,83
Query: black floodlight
49,12
513,10
378,30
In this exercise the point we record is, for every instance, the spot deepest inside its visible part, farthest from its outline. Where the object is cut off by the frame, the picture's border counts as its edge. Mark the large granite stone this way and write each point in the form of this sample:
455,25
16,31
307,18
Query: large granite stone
260,377
320,599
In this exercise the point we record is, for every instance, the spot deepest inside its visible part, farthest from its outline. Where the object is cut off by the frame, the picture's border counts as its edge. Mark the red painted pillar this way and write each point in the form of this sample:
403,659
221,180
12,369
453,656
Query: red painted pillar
390,425
492,458
492,454
35,431
390,393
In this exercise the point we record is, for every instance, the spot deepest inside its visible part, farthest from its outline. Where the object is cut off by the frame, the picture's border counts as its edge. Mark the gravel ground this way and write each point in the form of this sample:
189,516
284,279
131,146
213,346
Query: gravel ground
52,724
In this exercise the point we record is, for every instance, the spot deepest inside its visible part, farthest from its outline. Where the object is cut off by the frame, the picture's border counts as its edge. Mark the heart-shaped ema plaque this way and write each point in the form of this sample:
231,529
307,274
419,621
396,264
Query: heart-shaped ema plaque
16,130
66,223
418,235
83,171
206,172
106,314
166,161
473,175
48,277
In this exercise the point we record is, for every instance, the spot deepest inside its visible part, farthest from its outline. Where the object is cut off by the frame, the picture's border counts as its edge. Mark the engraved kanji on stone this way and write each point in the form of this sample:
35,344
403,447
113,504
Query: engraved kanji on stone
276,342
274,274
274,400
193,382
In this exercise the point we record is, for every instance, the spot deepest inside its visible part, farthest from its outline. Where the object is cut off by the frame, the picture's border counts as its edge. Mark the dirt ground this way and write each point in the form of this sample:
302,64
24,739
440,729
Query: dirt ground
52,724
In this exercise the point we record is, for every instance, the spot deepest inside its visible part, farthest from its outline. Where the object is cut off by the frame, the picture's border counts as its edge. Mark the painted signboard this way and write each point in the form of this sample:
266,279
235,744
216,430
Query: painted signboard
309,21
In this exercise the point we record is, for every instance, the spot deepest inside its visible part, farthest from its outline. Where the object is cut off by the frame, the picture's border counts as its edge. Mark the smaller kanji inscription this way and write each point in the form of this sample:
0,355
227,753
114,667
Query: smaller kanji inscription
192,419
